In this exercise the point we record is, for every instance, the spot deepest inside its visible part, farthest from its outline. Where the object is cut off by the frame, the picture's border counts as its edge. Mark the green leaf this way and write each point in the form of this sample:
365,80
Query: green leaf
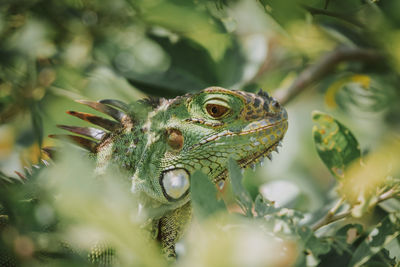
203,195
243,197
5,179
263,206
343,245
191,68
336,145
381,259
312,243
390,205
387,230
282,12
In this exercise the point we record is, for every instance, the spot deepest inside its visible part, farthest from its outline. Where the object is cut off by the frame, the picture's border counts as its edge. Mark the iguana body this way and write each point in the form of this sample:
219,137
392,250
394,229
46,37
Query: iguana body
160,143
164,143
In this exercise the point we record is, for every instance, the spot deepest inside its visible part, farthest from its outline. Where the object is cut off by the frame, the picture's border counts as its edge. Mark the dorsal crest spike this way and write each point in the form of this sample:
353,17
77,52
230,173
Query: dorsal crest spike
152,101
50,151
85,131
20,175
263,93
81,141
96,120
112,112
116,104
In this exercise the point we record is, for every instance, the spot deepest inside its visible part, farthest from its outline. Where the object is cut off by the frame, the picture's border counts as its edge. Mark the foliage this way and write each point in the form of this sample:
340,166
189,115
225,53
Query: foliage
335,144
329,198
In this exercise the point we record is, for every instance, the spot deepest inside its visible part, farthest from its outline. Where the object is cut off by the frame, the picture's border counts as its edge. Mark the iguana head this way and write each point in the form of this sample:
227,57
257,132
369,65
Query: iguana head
162,143
201,132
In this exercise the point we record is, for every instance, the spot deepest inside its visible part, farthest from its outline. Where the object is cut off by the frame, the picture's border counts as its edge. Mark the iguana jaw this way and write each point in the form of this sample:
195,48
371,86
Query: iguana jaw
258,155
251,160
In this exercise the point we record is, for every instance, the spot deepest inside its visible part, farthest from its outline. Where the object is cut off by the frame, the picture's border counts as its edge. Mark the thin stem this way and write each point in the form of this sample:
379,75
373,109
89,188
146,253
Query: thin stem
331,214
323,67
388,194
336,207
330,217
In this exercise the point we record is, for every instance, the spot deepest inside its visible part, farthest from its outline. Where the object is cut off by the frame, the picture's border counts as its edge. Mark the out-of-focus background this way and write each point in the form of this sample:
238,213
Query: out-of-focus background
54,52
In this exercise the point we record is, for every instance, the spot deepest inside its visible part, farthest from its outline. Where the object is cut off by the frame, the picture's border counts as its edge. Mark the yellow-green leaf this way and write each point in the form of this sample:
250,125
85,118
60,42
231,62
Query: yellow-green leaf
335,144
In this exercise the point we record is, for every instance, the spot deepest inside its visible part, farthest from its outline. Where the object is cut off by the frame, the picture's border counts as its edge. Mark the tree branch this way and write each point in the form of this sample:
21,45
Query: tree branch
330,217
316,11
393,192
323,67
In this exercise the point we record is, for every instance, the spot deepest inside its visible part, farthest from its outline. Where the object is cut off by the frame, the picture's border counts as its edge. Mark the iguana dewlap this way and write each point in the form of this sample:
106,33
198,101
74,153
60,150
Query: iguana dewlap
161,143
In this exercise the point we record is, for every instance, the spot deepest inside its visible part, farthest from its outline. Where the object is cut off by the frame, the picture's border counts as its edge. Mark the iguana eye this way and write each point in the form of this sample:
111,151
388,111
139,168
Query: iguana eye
216,111
175,183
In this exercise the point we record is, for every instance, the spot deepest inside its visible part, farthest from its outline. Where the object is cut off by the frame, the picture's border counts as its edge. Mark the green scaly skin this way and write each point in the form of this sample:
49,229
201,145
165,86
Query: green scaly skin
183,134
156,141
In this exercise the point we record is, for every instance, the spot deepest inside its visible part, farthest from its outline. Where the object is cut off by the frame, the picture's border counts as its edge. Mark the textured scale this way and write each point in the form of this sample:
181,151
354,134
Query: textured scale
102,255
154,140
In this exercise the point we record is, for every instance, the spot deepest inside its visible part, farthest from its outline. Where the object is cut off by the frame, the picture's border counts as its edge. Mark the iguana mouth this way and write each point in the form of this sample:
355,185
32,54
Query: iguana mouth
252,160
245,132
259,157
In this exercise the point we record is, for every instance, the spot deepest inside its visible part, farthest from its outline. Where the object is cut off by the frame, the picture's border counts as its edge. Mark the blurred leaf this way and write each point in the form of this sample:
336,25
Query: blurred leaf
263,206
330,96
343,245
203,28
191,69
387,230
311,243
111,218
365,92
283,13
203,194
390,205
381,259
335,144
37,123
5,179
243,197
284,220
373,178
230,69
285,193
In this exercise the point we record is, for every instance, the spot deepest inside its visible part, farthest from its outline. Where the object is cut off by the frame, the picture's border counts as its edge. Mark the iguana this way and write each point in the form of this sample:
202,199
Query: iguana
160,143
